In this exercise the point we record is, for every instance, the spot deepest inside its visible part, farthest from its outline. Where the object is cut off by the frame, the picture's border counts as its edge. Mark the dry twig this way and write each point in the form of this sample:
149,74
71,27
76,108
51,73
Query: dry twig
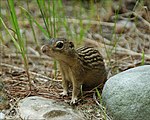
33,73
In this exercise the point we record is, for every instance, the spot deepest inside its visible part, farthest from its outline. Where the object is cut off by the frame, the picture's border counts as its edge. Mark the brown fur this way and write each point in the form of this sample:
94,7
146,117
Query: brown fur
82,67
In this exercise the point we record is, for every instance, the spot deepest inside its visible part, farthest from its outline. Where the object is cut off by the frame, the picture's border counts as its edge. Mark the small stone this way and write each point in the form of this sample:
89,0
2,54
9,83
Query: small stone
2,116
42,108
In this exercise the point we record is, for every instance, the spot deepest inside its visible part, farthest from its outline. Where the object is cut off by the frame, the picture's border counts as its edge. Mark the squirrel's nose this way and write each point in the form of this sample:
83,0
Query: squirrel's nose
44,48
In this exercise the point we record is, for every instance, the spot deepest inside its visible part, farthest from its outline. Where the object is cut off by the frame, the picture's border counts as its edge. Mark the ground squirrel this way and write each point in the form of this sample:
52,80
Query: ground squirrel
82,67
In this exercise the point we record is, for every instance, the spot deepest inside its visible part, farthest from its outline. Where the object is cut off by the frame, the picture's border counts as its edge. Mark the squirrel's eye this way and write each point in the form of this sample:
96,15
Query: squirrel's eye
59,44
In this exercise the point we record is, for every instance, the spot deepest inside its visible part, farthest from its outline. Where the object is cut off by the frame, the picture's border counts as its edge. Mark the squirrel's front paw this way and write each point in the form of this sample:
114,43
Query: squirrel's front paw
64,93
74,101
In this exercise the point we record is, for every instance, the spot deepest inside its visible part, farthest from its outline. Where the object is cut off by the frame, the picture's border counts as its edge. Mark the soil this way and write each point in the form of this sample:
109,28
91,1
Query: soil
44,79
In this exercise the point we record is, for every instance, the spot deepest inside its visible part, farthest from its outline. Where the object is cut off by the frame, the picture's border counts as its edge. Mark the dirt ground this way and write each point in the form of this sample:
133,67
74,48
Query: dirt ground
133,46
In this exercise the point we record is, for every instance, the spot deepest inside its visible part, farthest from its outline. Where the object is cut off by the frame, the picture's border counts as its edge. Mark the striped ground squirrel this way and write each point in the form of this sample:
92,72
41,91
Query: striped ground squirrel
81,67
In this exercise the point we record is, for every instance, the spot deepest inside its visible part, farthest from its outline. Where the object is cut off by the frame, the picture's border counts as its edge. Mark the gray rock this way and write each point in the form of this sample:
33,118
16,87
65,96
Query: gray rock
41,108
127,94
2,116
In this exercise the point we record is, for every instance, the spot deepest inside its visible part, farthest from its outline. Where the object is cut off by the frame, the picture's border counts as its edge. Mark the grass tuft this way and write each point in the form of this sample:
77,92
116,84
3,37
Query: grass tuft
19,41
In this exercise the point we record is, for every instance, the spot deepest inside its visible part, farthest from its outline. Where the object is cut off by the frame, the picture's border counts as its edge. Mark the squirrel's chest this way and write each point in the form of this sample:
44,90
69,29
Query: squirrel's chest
66,71
71,73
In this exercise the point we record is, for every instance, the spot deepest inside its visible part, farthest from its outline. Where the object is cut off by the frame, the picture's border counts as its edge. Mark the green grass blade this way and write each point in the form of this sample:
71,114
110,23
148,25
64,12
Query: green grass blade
42,8
15,22
29,16
20,40
99,96
13,39
31,24
17,29
143,58
50,21
1,36
54,25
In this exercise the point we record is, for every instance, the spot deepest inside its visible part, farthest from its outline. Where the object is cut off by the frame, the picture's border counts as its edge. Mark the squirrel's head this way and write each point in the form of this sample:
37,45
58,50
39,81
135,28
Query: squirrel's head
58,48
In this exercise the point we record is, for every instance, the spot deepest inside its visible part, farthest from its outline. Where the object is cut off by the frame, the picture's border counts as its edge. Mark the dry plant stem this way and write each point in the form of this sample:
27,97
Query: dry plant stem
33,73
145,36
101,107
28,76
77,21
100,39
93,22
33,51
13,55
136,15
142,19
118,50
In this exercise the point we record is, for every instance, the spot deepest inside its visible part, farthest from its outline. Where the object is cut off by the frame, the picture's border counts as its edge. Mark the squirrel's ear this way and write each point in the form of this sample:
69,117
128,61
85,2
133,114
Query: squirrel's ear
71,44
